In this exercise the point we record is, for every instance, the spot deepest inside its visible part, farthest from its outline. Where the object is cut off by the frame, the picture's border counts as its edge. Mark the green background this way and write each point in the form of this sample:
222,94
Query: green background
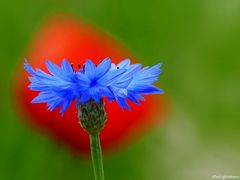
199,43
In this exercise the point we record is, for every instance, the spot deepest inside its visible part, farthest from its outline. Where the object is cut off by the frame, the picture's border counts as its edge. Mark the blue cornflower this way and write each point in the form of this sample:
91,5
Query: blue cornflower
115,82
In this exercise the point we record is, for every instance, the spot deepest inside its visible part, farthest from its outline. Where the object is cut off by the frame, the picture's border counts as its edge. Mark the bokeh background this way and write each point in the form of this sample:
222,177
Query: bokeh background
199,43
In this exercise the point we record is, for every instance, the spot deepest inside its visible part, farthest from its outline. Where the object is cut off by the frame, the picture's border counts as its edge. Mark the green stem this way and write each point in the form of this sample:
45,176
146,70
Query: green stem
96,156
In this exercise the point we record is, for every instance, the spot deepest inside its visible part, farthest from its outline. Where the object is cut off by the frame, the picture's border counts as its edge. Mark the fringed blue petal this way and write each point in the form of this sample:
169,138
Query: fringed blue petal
146,89
110,77
66,66
103,68
29,68
124,64
90,69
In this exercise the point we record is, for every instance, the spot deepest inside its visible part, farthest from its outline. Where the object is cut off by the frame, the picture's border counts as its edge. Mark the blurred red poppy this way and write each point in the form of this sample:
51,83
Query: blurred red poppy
66,37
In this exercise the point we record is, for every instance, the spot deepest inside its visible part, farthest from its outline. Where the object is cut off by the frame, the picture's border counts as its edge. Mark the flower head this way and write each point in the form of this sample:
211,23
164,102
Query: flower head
115,82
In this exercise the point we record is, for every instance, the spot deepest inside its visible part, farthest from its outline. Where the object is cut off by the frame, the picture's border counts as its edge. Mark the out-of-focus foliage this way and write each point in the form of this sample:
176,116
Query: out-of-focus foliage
199,43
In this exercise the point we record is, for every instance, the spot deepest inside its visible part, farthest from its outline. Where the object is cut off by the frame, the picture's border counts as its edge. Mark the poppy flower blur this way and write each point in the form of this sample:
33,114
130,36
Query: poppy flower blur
66,37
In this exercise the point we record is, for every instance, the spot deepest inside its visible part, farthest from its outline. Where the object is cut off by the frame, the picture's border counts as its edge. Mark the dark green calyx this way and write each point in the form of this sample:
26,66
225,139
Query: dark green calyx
92,116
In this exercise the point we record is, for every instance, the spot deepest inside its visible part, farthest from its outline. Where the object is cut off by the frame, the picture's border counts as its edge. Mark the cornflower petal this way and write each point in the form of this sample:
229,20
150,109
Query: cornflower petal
146,89
55,70
124,64
28,68
66,66
110,77
90,69
103,67
147,75
85,97
65,107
